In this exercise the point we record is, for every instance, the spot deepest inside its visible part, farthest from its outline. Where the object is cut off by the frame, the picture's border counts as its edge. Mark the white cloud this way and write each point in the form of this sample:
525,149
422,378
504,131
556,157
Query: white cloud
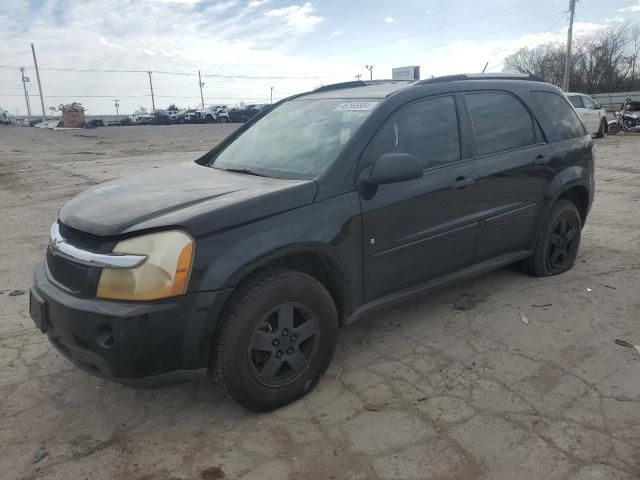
389,20
429,11
614,20
335,33
300,17
256,3
632,8
186,2
129,35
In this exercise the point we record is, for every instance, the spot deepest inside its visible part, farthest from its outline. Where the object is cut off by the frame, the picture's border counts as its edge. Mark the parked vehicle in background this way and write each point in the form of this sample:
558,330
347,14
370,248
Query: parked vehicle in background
592,115
245,113
160,118
335,203
213,113
181,116
4,119
624,121
140,118
189,116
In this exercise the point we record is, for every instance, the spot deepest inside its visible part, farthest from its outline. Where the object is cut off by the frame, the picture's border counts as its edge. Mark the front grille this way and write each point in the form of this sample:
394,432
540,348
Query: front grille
82,240
77,278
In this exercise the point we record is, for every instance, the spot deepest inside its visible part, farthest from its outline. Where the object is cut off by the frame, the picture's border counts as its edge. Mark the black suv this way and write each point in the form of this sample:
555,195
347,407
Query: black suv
244,263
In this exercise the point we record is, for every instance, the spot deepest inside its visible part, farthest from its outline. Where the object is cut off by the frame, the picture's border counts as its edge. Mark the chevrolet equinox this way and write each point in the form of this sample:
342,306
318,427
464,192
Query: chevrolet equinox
322,208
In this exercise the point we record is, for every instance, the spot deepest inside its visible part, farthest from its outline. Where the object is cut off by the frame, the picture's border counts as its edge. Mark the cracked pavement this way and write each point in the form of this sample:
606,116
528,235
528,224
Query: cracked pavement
450,386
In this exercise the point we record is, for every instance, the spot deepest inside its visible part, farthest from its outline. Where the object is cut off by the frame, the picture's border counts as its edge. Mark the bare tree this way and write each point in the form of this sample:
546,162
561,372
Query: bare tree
604,61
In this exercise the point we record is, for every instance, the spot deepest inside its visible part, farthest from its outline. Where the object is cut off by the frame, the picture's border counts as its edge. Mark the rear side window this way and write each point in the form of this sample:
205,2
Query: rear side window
500,122
576,100
564,121
426,129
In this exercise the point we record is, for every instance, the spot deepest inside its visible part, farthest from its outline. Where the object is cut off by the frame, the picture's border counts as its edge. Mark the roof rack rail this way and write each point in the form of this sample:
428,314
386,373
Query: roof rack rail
482,76
341,85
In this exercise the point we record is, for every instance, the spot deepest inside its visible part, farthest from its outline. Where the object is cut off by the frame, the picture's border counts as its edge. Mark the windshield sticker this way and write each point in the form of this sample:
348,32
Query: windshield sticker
356,106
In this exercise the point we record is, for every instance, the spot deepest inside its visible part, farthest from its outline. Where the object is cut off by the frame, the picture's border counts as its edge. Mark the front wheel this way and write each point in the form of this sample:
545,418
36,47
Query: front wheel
276,339
558,241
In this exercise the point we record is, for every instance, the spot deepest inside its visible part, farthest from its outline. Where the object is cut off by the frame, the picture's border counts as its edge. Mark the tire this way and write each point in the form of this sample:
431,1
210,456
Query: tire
558,241
256,345
223,120
208,119
602,130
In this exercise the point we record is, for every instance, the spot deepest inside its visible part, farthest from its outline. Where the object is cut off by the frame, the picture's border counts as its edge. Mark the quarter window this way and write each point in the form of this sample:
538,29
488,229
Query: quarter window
500,122
564,122
426,129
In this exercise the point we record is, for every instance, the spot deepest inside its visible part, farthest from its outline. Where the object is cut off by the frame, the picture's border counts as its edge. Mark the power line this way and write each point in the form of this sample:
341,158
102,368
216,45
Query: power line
164,72
433,47
431,30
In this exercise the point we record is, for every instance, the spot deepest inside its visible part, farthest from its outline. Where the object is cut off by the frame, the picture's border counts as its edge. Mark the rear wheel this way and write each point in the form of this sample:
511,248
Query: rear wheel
276,339
602,130
557,244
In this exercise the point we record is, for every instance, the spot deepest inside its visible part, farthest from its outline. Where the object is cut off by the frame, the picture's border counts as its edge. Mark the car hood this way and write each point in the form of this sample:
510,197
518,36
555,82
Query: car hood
198,198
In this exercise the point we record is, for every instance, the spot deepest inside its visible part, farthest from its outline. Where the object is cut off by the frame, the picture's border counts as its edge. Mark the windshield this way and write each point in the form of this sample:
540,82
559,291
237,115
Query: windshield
299,139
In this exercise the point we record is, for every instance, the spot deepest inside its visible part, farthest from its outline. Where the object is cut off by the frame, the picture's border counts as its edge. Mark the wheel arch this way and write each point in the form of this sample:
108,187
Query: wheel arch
579,196
316,260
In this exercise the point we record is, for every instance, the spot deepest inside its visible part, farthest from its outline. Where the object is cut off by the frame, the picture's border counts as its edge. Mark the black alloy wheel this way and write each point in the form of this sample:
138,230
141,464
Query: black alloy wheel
275,339
283,344
561,248
558,240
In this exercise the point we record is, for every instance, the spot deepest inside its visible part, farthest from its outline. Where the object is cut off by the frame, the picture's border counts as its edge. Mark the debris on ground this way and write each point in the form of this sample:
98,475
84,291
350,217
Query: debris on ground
15,293
608,286
624,343
588,289
542,306
40,454
524,319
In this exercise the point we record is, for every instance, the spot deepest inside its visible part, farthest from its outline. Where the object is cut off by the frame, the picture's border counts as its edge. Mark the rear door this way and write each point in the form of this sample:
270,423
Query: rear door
418,230
513,160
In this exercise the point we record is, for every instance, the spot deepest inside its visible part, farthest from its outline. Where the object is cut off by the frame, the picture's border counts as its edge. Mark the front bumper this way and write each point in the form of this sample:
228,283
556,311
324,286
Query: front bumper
135,343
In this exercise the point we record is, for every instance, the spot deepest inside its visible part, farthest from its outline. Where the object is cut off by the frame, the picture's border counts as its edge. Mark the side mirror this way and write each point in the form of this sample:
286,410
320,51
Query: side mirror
393,168
597,106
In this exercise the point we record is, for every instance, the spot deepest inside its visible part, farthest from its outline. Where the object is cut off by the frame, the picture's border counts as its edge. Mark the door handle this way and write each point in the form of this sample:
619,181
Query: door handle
461,182
541,160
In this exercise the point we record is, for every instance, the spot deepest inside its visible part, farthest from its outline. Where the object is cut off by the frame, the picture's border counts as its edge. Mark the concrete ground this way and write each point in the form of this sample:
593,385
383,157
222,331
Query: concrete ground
452,386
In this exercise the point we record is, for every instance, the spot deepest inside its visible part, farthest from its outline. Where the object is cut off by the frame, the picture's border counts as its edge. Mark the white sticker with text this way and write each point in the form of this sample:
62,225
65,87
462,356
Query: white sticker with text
356,106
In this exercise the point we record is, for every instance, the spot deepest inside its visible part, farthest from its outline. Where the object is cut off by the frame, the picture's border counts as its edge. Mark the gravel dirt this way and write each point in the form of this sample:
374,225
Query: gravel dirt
452,386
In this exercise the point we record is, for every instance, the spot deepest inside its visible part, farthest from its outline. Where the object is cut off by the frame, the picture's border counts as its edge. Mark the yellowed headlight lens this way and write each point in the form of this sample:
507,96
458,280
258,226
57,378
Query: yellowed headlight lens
165,272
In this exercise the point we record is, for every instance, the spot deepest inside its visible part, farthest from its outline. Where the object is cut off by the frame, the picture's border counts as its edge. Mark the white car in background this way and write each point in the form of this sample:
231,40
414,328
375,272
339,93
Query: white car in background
593,117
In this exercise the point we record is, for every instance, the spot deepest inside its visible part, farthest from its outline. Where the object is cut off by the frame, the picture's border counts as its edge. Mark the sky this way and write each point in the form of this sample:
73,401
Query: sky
96,51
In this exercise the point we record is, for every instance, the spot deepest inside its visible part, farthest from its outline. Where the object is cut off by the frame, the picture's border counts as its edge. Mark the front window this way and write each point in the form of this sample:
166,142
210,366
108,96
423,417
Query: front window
299,139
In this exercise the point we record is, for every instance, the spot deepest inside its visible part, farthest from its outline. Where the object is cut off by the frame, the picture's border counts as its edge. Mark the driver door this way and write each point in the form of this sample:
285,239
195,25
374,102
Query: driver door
418,230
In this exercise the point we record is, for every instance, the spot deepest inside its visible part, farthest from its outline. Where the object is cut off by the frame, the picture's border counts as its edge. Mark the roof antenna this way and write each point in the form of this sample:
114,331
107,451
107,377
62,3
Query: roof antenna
485,67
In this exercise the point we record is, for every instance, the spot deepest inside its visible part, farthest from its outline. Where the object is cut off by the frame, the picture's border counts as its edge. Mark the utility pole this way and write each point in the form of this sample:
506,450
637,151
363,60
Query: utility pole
26,95
271,94
153,101
485,67
370,68
117,105
358,76
35,63
567,61
201,85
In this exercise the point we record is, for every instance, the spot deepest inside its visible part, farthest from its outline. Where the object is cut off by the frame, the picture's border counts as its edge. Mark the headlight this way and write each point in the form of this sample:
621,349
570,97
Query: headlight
165,272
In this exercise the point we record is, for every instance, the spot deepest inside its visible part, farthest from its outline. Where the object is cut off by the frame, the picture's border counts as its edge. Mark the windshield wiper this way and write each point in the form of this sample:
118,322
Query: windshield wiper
245,171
